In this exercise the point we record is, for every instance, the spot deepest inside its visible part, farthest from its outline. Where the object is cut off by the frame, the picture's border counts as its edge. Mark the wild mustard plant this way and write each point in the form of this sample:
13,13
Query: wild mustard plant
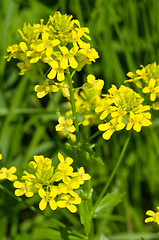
64,47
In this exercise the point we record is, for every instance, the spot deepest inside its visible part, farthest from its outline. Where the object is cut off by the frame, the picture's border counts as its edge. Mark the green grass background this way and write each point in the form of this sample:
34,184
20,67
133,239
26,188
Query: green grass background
126,34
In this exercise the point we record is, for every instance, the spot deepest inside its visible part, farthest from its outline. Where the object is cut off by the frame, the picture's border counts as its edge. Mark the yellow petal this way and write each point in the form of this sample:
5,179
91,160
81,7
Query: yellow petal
49,51
19,192
23,46
60,157
64,50
52,74
53,204
150,219
104,127
29,194
137,127
129,126
61,204
104,114
55,42
150,213
73,62
18,184
42,193
69,160
64,63
42,204
60,76
40,47
12,169
12,178
72,208
152,96
106,135
34,59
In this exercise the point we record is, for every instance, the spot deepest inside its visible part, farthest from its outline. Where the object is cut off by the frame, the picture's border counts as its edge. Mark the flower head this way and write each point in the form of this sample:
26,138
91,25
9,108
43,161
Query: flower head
122,107
55,187
153,216
60,43
66,128
7,173
147,78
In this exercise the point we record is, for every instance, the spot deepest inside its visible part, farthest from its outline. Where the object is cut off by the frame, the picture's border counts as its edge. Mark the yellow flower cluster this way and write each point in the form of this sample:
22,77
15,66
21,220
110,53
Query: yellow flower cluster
7,173
87,99
122,107
66,128
61,43
153,217
54,186
147,78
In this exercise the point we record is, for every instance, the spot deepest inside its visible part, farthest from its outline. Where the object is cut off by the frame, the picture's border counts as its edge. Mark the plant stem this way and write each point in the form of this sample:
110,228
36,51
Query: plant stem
72,100
113,172
92,137
17,198
28,205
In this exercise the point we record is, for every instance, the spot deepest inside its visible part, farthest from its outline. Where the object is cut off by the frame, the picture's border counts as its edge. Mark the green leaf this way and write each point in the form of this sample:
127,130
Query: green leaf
61,234
133,236
93,155
85,215
109,201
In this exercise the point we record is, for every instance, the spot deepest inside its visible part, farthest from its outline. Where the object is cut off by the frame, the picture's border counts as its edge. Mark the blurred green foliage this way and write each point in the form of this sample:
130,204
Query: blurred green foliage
126,34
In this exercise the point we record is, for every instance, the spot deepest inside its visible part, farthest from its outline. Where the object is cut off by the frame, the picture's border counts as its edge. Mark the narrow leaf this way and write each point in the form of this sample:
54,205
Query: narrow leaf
109,201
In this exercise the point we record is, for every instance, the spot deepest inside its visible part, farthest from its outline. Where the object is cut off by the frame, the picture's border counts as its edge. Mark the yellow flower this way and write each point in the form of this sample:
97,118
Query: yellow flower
26,188
81,176
0,156
68,202
152,89
59,44
56,69
86,55
138,120
43,90
8,173
147,78
66,127
12,52
110,127
54,187
47,197
154,217
46,45
122,107
68,57
63,171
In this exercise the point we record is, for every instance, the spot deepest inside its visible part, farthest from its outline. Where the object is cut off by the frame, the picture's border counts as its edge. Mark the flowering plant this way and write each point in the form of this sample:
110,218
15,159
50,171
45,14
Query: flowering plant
58,50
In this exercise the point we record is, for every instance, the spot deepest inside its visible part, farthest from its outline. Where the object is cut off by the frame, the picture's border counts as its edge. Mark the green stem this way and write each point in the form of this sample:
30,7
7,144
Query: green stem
92,137
113,172
72,100
28,205
17,198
